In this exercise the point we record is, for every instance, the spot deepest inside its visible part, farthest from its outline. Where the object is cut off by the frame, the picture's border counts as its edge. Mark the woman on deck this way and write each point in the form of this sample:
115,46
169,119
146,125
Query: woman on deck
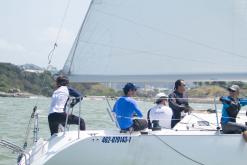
57,112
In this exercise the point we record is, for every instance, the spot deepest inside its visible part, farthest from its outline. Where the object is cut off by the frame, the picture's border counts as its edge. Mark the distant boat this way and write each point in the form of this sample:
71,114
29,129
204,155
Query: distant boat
154,41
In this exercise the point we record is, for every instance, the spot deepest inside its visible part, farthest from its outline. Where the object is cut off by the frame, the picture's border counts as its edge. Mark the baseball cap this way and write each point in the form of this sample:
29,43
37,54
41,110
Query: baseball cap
234,88
159,97
130,86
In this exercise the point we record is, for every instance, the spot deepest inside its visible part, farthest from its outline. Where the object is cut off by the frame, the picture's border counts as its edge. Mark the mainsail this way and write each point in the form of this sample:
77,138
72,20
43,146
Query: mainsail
144,40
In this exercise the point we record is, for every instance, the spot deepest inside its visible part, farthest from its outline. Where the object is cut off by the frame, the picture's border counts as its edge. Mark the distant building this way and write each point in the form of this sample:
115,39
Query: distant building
32,68
53,70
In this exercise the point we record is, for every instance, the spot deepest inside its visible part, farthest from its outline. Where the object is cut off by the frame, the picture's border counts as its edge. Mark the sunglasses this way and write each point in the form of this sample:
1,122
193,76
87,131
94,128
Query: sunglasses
232,91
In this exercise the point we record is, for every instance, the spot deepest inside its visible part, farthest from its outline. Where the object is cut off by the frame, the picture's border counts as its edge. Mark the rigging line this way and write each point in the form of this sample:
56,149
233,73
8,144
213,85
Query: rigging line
173,35
51,53
208,99
63,20
174,149
189,120
28,127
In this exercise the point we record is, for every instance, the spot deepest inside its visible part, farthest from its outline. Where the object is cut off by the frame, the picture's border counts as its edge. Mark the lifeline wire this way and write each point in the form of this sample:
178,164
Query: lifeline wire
180,153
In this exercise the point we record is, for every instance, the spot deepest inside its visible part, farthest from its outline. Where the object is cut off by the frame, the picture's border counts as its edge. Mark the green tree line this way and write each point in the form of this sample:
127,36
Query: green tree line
11,76
223,84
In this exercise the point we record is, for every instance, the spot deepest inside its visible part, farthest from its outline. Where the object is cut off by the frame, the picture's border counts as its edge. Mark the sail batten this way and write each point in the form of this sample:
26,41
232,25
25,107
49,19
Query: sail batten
159,78
142,40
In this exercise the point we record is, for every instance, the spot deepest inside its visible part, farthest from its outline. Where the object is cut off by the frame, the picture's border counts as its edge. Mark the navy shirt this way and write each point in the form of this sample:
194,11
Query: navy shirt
125,108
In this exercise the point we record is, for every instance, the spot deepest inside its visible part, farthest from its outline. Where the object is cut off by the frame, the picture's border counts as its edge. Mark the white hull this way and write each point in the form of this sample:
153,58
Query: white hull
149,150
157,147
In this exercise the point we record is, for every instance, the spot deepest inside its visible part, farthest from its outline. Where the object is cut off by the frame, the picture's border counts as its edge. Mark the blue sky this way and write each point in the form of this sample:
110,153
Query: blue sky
29,29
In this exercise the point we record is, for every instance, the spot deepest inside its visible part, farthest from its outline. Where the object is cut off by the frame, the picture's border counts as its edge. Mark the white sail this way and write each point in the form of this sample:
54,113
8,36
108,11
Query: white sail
143,40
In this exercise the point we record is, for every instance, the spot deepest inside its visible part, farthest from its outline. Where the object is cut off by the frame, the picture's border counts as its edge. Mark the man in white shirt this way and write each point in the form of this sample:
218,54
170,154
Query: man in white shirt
161,114
57,112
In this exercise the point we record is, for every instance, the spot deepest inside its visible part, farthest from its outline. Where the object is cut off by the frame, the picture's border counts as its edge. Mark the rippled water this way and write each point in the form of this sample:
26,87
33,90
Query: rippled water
15,114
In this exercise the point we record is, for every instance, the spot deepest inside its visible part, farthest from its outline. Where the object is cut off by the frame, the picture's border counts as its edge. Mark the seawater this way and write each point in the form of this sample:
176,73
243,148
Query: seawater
15,114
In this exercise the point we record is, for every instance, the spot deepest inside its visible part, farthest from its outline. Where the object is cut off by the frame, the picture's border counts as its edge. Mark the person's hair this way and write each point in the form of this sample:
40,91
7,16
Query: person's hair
128,87
62,80
178,83
125,91
158,101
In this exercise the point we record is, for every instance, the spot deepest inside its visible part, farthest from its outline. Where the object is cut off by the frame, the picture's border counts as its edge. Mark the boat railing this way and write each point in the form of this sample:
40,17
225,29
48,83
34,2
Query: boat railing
216,115
109,110
69,110
16,149
36,127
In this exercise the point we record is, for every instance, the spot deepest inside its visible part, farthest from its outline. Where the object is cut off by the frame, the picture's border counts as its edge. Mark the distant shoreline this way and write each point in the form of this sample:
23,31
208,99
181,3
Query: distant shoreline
201,100
16,94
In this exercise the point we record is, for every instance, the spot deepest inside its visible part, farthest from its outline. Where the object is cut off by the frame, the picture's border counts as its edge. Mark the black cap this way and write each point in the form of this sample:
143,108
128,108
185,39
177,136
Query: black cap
128,87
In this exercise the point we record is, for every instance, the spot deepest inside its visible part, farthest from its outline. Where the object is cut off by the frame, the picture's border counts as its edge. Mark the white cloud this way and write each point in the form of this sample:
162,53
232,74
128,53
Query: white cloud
240,9
50,34
9,46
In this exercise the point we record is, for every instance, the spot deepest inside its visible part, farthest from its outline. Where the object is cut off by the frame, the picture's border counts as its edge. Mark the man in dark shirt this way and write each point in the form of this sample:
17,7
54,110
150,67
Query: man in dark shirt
178,102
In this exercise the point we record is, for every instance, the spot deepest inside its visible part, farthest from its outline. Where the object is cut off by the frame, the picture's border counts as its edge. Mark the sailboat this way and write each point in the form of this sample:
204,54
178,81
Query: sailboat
154,41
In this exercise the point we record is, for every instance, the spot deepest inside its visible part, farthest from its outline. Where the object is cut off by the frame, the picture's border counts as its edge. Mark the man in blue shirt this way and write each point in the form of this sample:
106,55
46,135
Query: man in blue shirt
231,106
126,109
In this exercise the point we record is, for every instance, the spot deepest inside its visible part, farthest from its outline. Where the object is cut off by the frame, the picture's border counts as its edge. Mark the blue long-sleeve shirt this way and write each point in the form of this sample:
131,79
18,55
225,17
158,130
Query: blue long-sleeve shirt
231,108
125,108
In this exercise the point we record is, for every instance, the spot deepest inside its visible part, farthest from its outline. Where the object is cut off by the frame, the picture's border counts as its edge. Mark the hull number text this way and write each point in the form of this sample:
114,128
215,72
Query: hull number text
116,139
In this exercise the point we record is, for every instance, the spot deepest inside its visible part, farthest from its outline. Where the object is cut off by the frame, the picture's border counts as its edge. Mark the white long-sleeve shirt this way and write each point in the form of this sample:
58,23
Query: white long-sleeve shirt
163,114
59,99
